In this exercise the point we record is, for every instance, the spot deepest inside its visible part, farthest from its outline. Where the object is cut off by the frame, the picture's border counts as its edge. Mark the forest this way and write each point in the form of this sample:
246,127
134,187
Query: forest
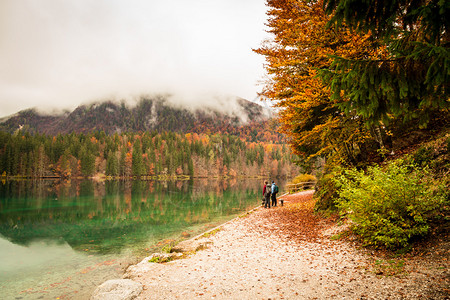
145,155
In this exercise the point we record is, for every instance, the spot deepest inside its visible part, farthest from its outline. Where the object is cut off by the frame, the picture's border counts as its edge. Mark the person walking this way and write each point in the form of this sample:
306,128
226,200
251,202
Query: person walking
267,191
274,191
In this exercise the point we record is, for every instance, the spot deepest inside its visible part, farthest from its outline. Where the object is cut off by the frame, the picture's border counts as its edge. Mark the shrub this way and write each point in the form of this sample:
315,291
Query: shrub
303,178
423,156
326,192
389,207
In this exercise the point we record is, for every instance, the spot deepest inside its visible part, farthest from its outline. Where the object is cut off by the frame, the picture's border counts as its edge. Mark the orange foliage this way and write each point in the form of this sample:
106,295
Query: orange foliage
301,45
268,148
205,139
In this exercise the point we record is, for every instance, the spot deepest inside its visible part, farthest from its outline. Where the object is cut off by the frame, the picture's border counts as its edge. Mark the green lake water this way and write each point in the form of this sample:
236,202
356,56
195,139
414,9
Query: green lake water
62,239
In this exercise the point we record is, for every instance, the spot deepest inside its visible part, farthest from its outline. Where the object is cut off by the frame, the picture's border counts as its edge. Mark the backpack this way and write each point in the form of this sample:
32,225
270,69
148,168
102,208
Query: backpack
268,189
275,190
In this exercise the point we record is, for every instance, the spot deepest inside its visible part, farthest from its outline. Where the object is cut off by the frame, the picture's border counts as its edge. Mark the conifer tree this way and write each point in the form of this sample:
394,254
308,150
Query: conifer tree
87,161
112,164
137,165
190,167
122,162
412,80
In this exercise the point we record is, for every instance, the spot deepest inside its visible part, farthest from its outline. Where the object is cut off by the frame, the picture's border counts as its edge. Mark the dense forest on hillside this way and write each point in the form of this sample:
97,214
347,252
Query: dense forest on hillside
141,155
154,138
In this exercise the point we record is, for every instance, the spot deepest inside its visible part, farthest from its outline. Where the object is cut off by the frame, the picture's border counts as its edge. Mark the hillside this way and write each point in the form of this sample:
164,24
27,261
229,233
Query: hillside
154,138
158,114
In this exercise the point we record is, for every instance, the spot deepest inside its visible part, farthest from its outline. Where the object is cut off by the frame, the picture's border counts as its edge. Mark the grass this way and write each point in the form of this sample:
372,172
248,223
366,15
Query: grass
211,233
201,247
340,235
390,267
160,260
167,248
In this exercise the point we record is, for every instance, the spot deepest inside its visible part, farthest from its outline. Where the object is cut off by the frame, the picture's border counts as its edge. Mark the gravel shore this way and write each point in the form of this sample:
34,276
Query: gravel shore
288,253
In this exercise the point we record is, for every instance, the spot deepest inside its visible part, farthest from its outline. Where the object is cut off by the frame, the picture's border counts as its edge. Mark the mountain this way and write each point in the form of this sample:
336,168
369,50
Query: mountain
150,114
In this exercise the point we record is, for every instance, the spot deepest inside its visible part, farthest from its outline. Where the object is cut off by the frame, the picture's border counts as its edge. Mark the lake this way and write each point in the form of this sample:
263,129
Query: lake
61,239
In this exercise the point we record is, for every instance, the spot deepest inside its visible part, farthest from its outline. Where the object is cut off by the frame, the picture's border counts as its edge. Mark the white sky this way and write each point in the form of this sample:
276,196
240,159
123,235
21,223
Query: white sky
62,53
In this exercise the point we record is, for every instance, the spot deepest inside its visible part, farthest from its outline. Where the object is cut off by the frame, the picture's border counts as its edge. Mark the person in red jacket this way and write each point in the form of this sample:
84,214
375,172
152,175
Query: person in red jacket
267,191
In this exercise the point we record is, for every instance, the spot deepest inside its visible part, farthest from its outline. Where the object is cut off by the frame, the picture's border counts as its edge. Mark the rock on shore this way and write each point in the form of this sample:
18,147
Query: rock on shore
117,289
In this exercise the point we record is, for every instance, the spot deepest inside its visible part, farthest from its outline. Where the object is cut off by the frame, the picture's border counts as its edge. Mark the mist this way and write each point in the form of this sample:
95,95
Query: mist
58,54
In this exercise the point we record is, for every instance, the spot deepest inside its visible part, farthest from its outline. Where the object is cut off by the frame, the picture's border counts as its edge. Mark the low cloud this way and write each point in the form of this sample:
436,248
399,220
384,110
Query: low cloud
59,54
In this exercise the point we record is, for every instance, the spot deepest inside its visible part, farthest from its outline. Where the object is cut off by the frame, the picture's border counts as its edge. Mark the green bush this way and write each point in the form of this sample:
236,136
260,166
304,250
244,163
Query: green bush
326,192
389,207
435,155
423,156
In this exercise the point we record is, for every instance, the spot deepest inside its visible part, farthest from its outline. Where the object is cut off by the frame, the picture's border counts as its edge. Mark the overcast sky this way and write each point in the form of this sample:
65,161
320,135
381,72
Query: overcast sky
62,53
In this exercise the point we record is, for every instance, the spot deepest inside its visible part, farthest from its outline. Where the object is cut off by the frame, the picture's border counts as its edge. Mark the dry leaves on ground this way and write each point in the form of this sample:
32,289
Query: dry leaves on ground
296,219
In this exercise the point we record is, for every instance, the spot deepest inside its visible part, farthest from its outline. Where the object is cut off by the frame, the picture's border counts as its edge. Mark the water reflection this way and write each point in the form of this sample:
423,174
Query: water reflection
93,215
30,258
62,228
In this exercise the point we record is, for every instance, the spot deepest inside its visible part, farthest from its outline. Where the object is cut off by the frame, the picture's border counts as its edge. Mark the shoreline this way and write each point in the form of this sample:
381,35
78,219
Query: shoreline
282,253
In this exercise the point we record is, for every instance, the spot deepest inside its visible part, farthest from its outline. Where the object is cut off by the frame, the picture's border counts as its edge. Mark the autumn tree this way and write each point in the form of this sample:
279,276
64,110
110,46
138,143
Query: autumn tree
301,45
64,167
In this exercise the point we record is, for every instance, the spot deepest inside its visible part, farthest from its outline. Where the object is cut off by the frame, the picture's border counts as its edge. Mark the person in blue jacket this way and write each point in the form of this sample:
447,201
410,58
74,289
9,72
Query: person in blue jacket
274,193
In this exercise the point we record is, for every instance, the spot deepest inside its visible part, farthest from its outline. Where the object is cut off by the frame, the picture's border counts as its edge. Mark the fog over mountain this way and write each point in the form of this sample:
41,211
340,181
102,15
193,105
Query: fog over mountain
59,54
157,113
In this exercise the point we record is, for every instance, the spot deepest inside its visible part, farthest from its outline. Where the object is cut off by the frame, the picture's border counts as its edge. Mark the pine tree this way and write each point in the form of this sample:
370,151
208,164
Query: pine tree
137,165
190,167
122,162
87,161
410,79
112,164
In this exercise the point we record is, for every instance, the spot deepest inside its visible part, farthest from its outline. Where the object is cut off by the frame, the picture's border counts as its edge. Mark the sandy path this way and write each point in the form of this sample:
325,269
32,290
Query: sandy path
254,258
